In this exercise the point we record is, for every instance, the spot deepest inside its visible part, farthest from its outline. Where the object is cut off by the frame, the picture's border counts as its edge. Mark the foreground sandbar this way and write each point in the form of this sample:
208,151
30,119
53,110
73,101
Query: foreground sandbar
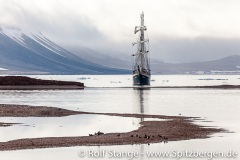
173,128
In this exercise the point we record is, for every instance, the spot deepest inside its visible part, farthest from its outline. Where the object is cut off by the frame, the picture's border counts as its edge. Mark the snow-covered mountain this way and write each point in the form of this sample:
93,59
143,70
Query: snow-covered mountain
28,53
34,53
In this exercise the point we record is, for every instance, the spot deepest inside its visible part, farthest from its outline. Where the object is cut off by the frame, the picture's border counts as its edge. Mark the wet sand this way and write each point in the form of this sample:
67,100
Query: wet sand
173,128
7,124
32,111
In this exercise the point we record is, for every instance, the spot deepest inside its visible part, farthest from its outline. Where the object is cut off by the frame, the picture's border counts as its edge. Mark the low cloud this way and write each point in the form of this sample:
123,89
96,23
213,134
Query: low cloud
179,31
194,50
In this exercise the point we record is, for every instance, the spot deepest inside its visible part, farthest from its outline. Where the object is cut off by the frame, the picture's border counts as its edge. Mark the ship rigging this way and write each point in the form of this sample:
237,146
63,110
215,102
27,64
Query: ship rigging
141,64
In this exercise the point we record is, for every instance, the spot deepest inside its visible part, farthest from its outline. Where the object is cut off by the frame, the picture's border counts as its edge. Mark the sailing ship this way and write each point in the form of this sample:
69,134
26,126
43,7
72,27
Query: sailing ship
141,62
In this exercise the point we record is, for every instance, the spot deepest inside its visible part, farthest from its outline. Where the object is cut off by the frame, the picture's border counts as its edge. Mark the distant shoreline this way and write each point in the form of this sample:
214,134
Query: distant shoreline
73,87
213,86
173,128
172,87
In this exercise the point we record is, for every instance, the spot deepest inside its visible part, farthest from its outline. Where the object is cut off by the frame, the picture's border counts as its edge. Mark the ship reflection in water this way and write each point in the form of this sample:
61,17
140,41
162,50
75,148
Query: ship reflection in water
140,106
140,101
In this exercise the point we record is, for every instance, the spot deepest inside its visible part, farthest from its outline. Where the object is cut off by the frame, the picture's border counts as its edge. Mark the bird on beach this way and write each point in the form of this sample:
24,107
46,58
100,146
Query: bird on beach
165,138
99,133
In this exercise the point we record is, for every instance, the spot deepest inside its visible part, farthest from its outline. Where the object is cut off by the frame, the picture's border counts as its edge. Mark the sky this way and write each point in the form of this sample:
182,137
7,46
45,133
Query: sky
178,30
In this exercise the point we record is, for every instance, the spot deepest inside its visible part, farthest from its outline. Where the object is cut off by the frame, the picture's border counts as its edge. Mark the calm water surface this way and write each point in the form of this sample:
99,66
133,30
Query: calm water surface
219,107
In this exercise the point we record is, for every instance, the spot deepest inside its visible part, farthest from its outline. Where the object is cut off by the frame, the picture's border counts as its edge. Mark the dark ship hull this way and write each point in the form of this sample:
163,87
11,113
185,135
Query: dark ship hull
141,79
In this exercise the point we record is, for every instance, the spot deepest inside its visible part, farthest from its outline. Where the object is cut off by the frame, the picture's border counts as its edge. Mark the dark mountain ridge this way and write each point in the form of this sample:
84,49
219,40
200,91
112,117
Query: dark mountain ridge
227,65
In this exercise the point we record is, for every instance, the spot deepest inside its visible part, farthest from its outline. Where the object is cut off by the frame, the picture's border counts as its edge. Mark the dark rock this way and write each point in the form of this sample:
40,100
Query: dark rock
21,80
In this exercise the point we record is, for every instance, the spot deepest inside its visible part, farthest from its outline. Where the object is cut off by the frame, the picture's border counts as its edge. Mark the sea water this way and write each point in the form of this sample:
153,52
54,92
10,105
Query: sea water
216,107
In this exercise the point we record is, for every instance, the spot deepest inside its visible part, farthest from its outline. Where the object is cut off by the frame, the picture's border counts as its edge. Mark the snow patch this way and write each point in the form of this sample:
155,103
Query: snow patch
13,33
49,42
3,69
45,43
19,37
17,34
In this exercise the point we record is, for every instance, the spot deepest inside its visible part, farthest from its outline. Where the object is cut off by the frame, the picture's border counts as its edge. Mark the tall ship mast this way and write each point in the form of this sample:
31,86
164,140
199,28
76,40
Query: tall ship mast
141,65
